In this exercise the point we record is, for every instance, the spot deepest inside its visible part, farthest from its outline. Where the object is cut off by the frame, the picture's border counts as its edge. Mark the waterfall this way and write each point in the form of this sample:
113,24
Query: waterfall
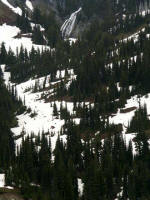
68,25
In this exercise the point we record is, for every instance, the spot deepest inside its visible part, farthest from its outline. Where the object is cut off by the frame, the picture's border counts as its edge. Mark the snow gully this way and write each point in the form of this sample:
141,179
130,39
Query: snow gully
68,25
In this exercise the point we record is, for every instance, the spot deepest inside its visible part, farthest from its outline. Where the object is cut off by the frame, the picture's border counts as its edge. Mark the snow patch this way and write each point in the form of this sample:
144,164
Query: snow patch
2,180
80,187
125,118
37,25
44,120
8,36
29,5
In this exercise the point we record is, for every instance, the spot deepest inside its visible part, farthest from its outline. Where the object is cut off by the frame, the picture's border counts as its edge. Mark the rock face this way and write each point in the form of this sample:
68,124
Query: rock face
6,14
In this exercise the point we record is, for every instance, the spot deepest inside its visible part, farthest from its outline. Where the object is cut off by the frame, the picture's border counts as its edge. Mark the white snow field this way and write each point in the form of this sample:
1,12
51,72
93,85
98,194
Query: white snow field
68,25
7,35
44,120
16,10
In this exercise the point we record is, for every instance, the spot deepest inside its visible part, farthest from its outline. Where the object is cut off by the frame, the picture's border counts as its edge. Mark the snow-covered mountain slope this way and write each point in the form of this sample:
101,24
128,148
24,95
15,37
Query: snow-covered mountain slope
69,24
43,121
125,118
8,36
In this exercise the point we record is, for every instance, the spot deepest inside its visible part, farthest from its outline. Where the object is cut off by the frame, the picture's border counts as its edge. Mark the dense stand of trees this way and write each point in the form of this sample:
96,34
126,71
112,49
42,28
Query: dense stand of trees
106,69
34,23
106,169
9,104
101,8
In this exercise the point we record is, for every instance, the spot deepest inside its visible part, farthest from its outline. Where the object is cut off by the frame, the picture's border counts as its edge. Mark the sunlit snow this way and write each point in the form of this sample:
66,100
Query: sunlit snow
125,118
29,5
44,120
8,36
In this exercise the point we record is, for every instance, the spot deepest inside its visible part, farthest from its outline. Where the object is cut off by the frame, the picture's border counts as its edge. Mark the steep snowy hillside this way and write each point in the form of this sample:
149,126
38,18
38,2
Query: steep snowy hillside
41,117
44,119
125,117
9,35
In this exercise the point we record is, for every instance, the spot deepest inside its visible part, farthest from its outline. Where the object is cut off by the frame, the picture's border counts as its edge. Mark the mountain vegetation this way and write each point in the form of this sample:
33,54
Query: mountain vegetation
110,67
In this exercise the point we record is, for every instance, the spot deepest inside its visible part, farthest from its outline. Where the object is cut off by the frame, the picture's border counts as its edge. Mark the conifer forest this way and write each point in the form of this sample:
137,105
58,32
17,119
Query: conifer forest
75,99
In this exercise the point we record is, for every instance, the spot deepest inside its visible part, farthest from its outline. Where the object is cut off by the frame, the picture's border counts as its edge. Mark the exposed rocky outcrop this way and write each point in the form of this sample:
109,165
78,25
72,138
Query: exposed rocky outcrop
6,15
